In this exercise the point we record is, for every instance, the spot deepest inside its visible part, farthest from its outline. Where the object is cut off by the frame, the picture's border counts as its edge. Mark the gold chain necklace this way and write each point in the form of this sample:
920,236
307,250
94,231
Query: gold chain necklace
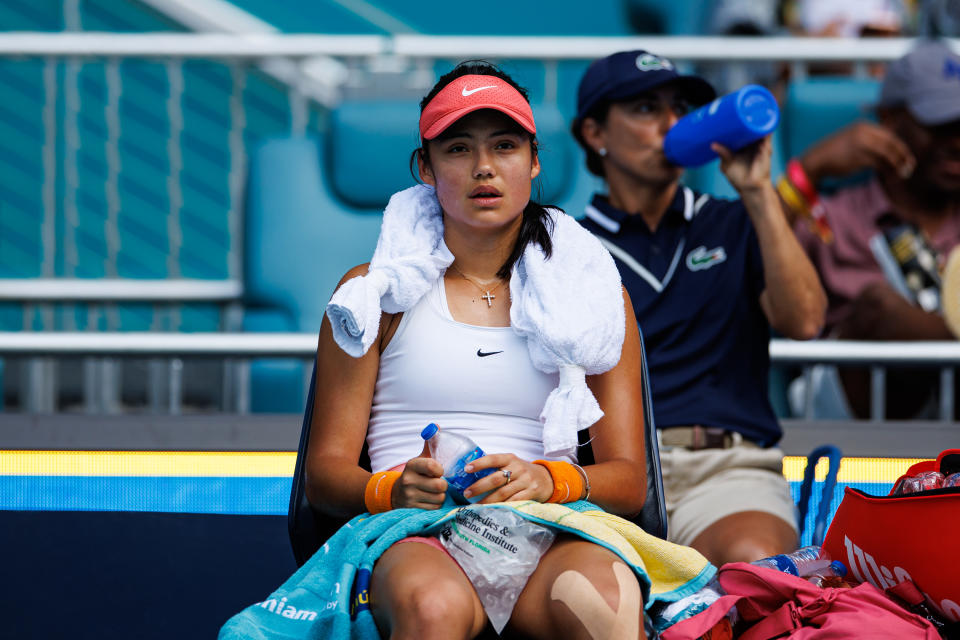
485,288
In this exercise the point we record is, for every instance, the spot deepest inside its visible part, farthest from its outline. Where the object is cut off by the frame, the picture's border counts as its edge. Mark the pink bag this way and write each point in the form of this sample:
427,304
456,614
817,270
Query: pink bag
786,606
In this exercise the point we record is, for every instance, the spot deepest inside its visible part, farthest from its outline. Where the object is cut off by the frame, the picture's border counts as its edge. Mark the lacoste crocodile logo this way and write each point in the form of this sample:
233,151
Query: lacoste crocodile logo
650,62
701,258
483,354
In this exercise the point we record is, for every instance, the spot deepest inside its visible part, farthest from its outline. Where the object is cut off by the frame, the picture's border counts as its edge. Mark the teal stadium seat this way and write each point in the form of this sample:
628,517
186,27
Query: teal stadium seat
300,240
370,144
817,107
369,149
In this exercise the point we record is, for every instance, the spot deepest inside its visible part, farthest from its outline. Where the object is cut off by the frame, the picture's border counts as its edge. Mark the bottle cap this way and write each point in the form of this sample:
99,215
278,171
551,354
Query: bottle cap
429,431
838,568
758,108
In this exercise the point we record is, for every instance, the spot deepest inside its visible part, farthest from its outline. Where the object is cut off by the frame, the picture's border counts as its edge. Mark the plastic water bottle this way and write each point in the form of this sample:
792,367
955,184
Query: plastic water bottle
801,563
832,576
695,603
952,480
734,120
454,452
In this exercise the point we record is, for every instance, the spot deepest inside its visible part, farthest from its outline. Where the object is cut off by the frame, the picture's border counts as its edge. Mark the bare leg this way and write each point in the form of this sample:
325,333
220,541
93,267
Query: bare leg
580,590
745,537
419,592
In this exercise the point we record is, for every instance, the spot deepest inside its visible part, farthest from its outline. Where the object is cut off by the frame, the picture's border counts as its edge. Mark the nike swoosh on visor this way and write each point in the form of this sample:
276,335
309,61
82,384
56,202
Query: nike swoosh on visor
469,92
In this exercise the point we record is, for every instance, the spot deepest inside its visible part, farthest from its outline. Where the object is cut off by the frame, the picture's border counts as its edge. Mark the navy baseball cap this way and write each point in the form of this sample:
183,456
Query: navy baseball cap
628,73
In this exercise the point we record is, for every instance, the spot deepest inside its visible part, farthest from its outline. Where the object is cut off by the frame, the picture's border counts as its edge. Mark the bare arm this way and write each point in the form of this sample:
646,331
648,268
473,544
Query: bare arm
335,482
880,313
793,300
619,478
862,145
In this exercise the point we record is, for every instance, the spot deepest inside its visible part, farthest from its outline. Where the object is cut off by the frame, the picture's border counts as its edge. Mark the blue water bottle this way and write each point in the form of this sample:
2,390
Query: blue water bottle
734,120
454,452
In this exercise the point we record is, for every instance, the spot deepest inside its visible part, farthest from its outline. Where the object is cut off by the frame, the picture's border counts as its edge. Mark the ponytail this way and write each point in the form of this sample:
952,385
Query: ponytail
536,227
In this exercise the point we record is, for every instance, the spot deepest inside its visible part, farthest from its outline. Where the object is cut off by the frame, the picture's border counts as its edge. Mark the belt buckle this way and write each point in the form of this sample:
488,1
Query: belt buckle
710,438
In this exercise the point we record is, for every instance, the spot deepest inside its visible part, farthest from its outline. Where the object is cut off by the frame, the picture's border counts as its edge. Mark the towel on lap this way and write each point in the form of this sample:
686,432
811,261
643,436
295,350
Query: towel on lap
328,598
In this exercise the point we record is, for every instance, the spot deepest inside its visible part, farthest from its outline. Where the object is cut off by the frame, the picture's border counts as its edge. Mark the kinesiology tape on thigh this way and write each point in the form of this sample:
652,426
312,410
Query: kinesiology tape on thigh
602,623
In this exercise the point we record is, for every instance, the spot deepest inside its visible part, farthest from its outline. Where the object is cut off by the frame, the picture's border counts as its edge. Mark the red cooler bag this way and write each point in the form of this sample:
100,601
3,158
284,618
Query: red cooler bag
885,540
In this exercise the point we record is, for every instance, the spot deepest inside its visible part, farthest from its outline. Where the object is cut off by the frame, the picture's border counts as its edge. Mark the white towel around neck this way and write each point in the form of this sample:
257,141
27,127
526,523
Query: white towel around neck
569,307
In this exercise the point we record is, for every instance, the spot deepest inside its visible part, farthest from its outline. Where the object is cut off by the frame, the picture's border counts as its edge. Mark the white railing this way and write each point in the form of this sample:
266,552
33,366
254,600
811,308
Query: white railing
260,46
167,345
172,291
172,347
101,384
877,356
304,345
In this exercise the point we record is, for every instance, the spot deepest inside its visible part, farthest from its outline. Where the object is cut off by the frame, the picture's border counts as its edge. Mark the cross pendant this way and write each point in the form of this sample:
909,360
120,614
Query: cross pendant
489,297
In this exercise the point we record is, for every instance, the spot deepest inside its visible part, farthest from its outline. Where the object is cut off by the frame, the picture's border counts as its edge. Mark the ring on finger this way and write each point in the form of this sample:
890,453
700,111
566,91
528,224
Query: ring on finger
506,474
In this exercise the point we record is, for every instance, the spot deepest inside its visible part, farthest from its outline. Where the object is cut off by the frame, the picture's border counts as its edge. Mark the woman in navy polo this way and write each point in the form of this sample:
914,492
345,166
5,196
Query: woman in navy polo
708,279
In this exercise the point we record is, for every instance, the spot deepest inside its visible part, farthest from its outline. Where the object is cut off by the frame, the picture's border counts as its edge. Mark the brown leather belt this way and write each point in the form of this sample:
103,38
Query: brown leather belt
697,437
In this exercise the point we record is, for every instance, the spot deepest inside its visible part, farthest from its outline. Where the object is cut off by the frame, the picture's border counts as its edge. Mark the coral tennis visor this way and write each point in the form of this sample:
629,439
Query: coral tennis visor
470,93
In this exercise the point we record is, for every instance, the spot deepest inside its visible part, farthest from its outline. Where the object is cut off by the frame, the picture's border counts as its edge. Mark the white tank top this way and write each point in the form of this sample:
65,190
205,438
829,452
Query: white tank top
477,381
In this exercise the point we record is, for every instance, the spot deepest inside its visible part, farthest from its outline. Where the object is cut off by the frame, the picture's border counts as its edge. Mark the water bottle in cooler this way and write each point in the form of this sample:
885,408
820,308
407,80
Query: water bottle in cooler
832,576
454,452
734,120
801,563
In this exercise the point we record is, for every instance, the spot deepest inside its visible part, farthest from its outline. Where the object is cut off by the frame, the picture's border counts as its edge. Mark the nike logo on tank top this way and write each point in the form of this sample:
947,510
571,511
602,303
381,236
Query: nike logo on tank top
477,381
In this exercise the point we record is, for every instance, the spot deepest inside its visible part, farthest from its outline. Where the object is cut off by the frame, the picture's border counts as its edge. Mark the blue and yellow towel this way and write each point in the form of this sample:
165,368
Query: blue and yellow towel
328,596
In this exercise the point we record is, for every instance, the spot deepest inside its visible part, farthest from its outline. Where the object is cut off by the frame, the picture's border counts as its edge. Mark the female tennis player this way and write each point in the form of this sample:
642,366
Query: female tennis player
454,358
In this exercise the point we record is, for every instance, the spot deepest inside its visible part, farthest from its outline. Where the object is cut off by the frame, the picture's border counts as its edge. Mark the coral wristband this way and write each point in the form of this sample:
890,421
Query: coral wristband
379,488
567,482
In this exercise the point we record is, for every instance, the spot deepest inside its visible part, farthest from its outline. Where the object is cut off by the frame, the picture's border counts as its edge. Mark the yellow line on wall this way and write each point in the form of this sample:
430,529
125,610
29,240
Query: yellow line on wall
281,463
881,470
148,463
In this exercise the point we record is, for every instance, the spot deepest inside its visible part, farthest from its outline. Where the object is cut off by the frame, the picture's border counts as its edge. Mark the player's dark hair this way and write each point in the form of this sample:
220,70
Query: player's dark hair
534,227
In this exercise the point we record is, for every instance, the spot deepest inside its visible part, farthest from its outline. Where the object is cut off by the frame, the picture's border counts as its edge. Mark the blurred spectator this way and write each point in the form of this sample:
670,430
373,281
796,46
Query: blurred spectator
880,246
815,18
939,18
744,18
847,19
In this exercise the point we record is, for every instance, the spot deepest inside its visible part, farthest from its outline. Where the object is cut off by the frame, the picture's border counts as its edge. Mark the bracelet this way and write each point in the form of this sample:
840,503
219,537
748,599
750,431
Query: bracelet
586,481
792,196
567,482
377,496
801,181
820,225
814,214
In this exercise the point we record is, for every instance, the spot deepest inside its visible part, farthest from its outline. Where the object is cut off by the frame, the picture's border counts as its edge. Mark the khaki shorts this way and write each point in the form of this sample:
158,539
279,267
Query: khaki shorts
701,487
